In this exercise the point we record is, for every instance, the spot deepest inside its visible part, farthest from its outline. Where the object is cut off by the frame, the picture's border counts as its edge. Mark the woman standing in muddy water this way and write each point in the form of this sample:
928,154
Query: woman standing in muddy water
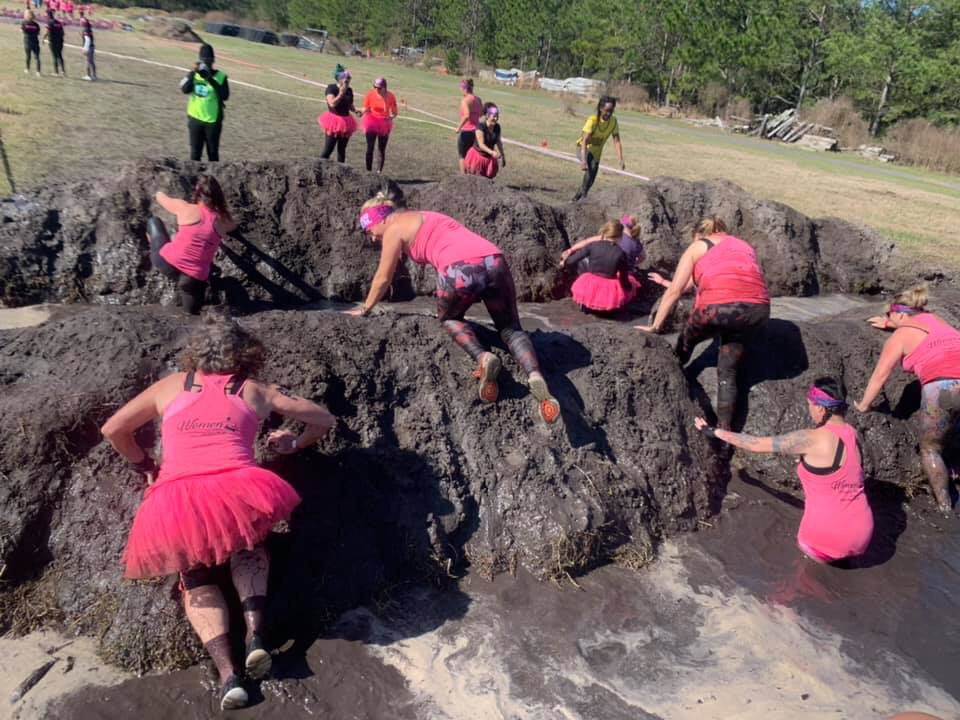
469,269
837,522
732,302
210,505
201,224
930,348
471,107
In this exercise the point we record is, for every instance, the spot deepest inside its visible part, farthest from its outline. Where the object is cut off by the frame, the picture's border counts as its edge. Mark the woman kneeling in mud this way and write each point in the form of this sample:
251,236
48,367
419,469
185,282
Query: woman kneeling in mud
210,504
469,269
837,522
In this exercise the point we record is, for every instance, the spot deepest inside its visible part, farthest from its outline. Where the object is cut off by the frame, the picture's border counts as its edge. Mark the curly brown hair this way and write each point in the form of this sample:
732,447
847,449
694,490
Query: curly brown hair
219,346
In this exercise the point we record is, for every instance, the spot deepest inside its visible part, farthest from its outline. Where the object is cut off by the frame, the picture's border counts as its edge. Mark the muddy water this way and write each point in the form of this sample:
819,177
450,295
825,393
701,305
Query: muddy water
728,623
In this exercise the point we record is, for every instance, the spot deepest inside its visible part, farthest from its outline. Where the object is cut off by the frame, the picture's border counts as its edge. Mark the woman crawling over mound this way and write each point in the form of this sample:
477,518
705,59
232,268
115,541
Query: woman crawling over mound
469,269
210,504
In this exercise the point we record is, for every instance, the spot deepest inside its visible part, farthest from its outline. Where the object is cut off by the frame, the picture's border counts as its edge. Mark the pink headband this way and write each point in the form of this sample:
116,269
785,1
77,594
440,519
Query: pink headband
374,215
625,221
819,397
897,307
493,110
464,85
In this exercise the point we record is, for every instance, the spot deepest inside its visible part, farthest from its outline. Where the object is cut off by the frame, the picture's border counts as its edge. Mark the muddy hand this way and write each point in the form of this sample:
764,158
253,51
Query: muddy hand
282,441
879,322
355,312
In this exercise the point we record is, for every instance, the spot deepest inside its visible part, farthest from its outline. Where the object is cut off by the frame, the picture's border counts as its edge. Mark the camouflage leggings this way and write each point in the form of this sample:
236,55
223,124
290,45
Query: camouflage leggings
736,324
486,279
939,411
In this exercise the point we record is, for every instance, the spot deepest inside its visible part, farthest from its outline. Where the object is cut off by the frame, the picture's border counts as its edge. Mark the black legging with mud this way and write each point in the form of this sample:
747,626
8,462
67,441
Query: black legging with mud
736,324
939,414
336,141
461,285
589,175
192,291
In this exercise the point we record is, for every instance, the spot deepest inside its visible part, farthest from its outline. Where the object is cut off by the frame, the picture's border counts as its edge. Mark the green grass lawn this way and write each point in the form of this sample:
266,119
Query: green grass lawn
55,128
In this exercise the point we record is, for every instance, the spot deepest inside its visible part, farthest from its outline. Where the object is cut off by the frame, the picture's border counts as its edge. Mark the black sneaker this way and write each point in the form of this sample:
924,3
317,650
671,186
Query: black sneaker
233,695
258,660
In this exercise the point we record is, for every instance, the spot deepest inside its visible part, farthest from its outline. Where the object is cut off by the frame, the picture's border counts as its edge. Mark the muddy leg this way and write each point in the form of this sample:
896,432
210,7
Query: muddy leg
936,416
249,570
207,612
727,364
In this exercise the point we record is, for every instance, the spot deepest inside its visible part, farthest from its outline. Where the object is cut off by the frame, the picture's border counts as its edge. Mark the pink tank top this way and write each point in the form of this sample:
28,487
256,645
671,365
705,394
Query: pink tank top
207,431
837,521
192,249
937,357
475,109
729,273
442,241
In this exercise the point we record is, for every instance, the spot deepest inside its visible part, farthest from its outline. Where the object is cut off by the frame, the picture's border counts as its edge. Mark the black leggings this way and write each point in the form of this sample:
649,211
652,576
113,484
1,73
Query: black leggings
340,143
736,324
192,291
589,175
201,134
30,50
461,285
57,53
381,141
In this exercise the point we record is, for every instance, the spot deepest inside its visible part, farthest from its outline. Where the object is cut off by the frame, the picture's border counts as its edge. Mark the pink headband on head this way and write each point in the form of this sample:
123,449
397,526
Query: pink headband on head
819,397
374,215
897,307
493,110
625,221
464,85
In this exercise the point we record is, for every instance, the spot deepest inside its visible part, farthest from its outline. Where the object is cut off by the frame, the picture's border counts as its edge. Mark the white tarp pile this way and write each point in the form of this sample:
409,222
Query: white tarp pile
577,85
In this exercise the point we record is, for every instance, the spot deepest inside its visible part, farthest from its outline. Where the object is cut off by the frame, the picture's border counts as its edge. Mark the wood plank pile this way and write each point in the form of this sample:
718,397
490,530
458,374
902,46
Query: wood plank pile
788,127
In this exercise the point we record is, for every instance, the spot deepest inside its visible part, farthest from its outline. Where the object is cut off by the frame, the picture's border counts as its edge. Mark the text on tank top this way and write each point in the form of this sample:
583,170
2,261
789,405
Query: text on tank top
208,431
729,273
840,486
442,241
192,249
937,357
474,111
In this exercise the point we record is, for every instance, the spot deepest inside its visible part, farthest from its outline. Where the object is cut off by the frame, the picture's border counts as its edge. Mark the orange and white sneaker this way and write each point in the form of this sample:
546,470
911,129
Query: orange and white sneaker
487,372
547,404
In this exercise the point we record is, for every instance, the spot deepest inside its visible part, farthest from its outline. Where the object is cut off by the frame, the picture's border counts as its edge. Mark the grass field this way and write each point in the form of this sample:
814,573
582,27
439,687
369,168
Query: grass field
56,128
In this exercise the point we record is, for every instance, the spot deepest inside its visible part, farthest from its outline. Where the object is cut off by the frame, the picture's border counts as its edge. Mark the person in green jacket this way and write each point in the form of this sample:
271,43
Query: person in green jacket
208,90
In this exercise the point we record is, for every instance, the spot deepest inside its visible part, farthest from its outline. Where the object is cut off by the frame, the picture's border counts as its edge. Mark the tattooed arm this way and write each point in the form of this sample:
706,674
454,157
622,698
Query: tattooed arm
798,442
317,419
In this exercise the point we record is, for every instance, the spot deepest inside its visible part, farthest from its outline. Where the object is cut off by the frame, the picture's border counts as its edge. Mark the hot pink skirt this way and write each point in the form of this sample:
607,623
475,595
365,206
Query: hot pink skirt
476,163
337,125
601,293
380,126
196,520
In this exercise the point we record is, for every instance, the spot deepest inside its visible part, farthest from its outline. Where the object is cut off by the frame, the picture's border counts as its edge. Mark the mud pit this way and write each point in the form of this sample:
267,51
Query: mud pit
419,480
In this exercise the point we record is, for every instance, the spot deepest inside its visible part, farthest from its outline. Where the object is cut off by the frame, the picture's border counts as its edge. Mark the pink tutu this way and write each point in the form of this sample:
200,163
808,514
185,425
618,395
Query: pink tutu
601,293
476,163
203,519
380,126
337,125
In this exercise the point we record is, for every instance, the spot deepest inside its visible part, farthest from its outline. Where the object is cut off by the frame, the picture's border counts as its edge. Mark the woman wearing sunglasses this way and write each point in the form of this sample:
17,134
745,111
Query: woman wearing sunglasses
929,347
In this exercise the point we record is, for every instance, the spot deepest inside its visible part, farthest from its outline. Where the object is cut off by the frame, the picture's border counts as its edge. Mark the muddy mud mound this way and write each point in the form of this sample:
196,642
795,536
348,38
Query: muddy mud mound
85,242
172,29
800,255
419,478
298,240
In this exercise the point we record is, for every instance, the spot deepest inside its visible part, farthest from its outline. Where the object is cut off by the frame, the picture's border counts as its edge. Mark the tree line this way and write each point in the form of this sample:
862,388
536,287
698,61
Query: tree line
894,60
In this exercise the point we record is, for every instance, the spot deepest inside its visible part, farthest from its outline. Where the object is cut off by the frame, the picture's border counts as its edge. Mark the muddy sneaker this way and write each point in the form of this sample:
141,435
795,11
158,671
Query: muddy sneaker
232,694
548,406
258,660
487,373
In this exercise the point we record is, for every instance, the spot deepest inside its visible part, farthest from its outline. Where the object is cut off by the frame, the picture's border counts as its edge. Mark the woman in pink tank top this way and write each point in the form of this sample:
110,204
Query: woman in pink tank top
471,108
732,302
837,521
470,269
930,348
210,504
188,257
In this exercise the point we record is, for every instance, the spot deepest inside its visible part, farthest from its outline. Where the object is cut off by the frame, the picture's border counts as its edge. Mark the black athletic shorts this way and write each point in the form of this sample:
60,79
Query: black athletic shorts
465,142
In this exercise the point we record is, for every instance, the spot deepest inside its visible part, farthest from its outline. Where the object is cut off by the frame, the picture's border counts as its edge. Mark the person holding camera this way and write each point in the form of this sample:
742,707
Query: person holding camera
337,122
208,90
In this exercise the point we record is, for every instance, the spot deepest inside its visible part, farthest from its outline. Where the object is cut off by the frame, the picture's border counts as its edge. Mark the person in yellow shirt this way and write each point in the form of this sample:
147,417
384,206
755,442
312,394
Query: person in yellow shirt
599,127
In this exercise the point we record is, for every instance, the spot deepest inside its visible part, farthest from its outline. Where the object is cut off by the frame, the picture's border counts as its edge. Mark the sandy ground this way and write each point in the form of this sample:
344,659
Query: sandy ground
23,316
43,666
